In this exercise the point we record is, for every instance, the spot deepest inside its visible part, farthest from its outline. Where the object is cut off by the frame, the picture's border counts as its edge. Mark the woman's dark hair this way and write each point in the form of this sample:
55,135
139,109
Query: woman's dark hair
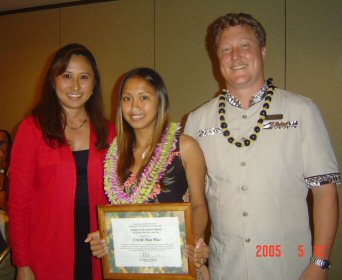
49,114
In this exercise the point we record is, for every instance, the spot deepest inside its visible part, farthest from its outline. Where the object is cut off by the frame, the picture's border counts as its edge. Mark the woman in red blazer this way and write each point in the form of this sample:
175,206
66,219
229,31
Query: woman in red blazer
56,172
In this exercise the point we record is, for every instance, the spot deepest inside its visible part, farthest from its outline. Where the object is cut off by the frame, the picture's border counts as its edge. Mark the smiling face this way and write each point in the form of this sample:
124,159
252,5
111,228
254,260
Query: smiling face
75,85
241,58
139,104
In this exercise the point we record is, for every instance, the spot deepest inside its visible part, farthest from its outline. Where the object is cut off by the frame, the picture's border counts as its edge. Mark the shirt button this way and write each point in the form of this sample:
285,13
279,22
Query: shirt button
245,214
248,240
244,188
244,117
243,163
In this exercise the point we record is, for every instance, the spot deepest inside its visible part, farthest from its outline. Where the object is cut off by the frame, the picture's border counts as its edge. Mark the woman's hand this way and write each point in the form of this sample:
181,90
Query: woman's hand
98,246
25,273
199,253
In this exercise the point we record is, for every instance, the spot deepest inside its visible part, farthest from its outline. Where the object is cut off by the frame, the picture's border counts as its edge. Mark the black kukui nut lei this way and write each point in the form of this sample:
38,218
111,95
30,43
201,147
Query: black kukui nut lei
262,116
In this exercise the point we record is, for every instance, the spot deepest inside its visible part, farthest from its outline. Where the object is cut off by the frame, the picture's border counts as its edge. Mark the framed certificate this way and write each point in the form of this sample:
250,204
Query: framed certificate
147,241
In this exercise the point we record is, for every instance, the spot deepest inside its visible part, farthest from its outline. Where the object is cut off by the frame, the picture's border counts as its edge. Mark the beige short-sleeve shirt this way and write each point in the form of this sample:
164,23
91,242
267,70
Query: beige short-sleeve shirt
257,194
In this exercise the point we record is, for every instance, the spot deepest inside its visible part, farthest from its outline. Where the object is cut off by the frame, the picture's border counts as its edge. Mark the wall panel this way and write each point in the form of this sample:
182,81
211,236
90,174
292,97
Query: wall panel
119,33
314,69
26,43
314,58
181,54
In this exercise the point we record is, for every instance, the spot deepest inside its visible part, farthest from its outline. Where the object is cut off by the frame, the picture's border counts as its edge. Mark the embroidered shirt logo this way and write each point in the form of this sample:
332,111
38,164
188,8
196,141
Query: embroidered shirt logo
209,131
266,125
280,125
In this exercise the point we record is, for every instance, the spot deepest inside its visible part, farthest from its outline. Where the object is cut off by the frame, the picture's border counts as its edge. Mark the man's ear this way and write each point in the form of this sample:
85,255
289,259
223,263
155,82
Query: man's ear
263,54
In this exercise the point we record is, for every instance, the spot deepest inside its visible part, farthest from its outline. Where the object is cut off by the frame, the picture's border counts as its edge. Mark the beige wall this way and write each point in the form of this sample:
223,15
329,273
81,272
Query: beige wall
314,68
303,52
181,54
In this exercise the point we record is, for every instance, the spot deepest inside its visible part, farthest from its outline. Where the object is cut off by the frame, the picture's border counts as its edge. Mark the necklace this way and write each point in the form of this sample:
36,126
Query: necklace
77,128
262,116
143,155
141,188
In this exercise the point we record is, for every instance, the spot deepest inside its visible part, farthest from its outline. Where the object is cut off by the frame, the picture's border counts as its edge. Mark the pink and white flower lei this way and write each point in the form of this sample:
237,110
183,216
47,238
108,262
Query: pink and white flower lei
152,174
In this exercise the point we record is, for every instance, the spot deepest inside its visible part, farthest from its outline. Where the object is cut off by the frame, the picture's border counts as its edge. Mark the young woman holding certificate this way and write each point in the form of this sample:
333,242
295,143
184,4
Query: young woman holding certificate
148,144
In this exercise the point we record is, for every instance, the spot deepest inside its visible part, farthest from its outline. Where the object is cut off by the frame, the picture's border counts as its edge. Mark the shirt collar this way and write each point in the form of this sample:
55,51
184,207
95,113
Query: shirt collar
258,97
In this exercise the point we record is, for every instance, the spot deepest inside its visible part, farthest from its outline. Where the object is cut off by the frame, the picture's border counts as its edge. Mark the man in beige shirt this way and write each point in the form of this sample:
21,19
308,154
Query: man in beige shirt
264,148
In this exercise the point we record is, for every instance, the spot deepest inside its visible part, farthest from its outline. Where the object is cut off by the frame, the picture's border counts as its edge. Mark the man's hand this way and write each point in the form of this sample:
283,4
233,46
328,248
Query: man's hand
314,272
199,253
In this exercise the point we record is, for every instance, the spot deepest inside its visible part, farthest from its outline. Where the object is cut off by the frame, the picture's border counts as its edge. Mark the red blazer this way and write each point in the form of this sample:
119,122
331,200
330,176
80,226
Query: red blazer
41,202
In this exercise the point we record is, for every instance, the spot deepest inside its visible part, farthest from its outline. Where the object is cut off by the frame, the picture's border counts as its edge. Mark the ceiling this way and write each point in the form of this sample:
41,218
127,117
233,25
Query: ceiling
9,6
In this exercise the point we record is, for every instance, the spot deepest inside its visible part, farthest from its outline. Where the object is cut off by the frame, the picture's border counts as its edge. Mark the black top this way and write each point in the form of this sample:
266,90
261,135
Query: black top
83,266
174,185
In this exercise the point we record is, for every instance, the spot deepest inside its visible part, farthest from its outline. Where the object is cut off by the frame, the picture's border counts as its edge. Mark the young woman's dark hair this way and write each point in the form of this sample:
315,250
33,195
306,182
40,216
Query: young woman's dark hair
49,114
125,133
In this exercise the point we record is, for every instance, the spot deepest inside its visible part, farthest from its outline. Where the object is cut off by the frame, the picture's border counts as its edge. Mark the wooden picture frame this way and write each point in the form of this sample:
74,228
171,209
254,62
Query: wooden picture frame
141,237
